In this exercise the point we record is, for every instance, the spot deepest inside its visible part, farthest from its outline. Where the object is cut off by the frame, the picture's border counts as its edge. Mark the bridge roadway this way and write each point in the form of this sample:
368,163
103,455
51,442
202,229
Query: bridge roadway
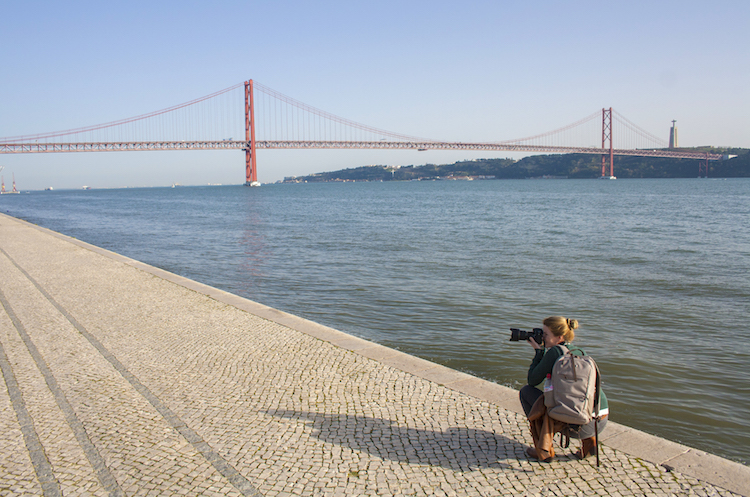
132,146
123,379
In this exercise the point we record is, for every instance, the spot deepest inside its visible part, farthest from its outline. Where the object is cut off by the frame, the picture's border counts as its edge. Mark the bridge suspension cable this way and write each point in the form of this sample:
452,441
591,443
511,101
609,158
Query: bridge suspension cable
640,138
554,135
286,119
123,122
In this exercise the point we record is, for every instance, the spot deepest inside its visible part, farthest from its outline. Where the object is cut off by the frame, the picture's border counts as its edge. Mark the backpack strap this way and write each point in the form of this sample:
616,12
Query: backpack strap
566,350
576,349
563,348
565,437
598,392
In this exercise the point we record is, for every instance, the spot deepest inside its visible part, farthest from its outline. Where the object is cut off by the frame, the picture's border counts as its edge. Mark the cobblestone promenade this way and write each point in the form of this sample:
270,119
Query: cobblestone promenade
122,379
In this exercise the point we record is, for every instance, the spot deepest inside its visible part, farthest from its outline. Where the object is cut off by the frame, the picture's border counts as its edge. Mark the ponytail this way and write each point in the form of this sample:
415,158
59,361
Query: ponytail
562,327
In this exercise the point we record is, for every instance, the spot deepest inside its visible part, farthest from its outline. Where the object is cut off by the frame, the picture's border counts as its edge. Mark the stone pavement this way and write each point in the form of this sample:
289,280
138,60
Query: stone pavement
123,379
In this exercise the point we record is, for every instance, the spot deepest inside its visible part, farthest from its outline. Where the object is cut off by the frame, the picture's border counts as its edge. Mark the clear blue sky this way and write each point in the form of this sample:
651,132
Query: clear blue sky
474,70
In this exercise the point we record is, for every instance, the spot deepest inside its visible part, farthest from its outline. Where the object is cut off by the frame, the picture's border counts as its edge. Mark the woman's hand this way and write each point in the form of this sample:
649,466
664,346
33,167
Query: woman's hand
534,344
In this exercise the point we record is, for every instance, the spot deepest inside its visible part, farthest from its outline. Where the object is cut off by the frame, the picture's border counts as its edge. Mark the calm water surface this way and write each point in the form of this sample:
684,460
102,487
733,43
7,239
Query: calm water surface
656,271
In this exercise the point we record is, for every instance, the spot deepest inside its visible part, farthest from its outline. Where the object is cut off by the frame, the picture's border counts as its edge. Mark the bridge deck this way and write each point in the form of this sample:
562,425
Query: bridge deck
123,379
135,146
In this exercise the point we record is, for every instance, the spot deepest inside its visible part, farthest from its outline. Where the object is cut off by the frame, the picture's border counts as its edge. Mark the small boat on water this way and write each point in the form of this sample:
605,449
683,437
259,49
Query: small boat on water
607,177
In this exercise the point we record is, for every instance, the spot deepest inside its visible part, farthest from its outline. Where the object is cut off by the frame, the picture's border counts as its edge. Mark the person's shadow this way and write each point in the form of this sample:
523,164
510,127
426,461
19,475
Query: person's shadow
457,448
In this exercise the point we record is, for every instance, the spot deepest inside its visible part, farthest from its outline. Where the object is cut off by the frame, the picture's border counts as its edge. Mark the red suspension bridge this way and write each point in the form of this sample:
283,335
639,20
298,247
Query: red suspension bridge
271,120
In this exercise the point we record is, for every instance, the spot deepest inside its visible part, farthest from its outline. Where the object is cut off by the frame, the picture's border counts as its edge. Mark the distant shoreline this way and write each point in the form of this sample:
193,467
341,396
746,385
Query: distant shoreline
567,166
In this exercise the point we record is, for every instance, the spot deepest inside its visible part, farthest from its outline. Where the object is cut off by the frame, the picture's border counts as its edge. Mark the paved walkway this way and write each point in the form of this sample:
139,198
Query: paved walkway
122,379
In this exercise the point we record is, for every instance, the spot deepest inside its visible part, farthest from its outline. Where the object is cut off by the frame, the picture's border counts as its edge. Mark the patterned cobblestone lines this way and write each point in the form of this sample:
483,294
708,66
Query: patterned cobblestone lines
180,427
41,420
74,459
17,472
108,433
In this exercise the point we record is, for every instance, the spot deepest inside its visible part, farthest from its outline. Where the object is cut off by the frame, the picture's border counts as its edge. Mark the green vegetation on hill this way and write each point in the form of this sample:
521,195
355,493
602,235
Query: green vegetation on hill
578,166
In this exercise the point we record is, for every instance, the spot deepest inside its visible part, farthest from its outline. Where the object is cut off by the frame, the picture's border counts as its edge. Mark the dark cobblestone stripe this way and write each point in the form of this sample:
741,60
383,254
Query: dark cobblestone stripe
42,466
219,463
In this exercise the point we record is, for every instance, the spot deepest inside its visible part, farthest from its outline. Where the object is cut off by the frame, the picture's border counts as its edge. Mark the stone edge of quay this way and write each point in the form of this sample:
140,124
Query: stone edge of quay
672,456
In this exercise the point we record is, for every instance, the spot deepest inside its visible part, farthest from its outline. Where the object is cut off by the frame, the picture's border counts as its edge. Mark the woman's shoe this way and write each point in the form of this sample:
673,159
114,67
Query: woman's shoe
531,452
588,448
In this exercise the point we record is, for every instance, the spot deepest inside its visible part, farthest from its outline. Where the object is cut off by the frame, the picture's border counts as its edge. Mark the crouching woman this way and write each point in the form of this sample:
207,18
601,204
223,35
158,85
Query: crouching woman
558,331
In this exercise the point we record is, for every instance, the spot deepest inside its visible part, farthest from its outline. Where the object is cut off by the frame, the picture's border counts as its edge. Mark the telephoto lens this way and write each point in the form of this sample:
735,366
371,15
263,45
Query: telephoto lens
517,335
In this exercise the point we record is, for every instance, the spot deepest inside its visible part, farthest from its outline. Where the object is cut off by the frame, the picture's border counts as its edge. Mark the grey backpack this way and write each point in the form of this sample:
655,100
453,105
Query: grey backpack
574,396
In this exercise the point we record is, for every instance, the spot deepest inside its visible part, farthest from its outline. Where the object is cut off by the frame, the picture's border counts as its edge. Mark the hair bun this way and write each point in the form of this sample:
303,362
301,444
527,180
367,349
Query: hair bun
572,324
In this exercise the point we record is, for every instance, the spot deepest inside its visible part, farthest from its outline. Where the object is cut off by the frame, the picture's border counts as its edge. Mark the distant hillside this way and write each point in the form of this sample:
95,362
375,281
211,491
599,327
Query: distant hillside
578,166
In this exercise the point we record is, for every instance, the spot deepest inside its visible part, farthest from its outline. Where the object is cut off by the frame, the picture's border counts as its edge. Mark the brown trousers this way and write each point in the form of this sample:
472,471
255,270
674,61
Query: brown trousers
543,429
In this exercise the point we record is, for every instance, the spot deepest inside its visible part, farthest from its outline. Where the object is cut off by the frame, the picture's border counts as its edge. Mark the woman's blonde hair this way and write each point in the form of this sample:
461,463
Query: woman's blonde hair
562,327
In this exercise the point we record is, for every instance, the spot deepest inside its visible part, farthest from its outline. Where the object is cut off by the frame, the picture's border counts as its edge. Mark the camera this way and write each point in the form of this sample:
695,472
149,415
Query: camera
517,335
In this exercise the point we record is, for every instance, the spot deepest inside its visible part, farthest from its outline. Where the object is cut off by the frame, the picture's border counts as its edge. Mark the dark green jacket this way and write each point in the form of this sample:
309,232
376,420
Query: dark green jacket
542,364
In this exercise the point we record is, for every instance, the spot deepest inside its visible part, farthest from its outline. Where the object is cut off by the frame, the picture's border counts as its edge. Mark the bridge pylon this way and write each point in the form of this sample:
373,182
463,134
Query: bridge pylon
607,137
703,167
251,173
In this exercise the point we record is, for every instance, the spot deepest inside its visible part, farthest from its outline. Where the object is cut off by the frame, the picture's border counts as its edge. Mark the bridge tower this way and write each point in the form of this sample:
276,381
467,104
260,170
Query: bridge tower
703,167
607,137
251,173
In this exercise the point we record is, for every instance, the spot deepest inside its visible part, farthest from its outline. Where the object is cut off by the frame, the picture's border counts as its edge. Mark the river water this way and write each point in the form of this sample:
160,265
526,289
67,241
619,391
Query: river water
656,271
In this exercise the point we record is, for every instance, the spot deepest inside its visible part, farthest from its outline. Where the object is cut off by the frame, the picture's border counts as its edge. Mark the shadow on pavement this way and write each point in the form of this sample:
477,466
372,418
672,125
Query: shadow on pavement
457,448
